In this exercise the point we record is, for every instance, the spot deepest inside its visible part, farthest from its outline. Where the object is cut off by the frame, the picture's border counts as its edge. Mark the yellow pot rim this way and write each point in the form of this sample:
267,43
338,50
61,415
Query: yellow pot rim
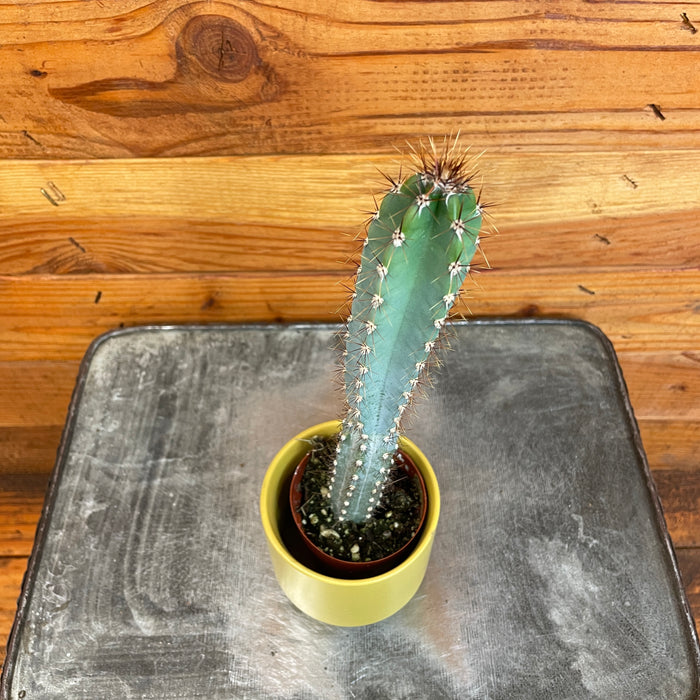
286,454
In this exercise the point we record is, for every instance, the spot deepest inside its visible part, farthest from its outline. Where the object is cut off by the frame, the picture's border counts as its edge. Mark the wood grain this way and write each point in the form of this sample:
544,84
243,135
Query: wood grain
55,318
180,78
671,444
553,211
19,515
680,496
664,385
26,453
240,145
35,393
689,565
11,574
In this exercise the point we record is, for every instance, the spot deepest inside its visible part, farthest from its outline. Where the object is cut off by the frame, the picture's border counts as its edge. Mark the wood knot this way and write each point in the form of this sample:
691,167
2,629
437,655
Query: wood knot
219,46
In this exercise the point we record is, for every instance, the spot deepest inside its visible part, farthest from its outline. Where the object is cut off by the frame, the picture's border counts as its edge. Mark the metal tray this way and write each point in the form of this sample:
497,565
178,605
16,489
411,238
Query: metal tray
552,574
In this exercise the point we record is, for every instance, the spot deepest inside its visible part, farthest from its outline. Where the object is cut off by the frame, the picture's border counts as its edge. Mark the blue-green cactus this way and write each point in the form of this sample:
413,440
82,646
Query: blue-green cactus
416,255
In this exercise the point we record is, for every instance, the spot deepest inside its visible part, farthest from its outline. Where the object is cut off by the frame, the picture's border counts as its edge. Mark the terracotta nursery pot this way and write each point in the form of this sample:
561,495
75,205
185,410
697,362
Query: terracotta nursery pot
334,599
325,563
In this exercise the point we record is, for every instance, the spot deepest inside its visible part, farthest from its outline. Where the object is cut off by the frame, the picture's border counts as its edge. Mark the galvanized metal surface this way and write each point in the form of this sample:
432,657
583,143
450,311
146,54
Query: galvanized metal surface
551,576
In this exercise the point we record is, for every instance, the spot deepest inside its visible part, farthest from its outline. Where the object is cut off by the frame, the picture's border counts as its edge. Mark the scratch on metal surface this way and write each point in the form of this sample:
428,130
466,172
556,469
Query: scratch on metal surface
586,539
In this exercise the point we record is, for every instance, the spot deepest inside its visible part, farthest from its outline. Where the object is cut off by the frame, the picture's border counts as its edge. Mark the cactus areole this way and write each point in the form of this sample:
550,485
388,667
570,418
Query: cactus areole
417,253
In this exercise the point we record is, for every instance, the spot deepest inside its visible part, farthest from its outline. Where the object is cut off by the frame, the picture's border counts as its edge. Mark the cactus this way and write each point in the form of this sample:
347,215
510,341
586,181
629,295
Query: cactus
416,255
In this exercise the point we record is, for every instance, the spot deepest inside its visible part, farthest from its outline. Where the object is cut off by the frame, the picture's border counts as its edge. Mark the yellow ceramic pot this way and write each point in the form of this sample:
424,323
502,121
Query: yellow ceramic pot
348,603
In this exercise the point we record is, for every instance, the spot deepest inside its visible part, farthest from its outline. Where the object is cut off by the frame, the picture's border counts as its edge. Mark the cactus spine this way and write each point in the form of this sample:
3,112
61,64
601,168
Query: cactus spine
416,255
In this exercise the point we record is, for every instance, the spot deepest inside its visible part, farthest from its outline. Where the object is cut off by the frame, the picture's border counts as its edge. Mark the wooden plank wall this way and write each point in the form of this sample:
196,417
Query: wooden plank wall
181,162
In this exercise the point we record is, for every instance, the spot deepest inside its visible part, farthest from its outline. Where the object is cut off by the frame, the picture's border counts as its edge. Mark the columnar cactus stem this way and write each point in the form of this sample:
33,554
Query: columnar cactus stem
417,253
